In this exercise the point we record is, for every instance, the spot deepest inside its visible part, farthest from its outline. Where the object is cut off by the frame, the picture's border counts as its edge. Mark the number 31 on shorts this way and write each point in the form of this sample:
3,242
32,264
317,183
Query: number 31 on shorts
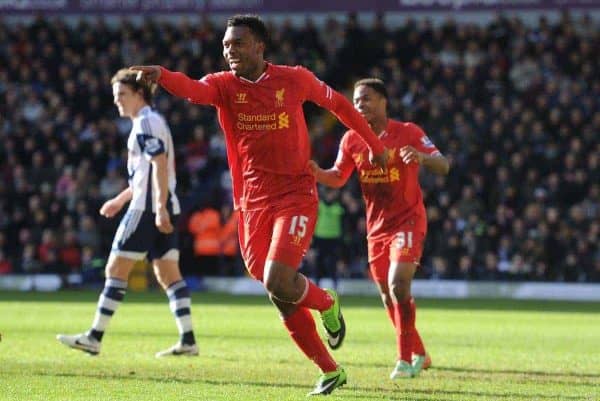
404,239
298,226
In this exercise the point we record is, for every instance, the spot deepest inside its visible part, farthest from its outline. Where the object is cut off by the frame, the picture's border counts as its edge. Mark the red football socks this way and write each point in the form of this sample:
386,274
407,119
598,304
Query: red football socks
405,315
418,347
303,331
314,297
408,338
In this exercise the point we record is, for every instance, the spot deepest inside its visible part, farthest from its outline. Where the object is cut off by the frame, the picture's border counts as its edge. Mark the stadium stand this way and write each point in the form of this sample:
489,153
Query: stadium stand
516,108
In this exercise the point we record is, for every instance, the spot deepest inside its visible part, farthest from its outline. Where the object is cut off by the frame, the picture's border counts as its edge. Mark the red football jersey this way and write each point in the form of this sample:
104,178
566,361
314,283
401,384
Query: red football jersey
268,147
394,195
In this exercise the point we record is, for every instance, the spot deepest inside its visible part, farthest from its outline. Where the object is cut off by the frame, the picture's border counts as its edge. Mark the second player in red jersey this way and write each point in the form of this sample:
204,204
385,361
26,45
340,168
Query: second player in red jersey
396,220
399,182
260,111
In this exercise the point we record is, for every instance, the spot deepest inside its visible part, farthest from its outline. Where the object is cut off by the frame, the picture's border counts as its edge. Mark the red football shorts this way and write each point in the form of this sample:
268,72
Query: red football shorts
281,233
404,245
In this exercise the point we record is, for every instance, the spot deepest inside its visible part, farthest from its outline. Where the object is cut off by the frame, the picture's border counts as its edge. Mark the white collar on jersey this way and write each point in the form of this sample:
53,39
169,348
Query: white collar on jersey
262,77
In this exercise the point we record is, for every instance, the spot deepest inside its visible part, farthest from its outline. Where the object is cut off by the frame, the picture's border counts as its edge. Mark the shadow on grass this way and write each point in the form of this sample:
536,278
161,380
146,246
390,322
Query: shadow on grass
157,335
205,298
520,372
540,377
466,393
347,392
163,379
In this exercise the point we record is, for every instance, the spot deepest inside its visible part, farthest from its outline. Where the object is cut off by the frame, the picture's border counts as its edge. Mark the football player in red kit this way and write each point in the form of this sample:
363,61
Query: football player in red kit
396,219
259,107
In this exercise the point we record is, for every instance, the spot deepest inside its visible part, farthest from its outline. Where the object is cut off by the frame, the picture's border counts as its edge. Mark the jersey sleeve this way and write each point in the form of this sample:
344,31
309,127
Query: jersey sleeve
422,143
320,93
344,162
314,89
204,91
153,138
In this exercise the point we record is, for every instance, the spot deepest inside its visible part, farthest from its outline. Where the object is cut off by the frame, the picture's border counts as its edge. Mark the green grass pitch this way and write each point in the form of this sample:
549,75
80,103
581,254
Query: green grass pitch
481,350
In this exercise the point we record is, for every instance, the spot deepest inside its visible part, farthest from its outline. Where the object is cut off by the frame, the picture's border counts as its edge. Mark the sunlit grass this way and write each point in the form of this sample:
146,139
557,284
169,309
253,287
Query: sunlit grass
482,350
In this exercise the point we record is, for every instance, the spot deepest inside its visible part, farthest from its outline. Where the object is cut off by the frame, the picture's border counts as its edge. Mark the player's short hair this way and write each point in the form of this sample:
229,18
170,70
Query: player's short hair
374,83
129,78
254,23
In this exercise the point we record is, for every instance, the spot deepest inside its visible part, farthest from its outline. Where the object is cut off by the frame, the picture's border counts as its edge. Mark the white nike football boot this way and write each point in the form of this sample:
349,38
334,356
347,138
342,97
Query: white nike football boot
178,350
82,342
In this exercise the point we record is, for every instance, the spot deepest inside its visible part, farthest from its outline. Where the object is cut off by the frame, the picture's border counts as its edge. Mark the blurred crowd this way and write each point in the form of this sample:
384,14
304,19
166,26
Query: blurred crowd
515,107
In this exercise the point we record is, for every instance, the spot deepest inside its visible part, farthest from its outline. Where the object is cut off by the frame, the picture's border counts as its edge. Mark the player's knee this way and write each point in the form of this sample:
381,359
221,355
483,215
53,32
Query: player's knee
384,292
272,283
167,277
160,277
113,269
400,290
277,280
386,299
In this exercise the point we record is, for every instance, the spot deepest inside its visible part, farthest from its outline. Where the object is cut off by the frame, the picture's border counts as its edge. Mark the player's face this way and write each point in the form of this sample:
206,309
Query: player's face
242,51
370,103
126,99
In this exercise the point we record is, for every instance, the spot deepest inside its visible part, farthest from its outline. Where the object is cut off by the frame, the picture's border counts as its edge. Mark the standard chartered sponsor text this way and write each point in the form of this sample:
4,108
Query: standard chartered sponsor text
261,122
256,117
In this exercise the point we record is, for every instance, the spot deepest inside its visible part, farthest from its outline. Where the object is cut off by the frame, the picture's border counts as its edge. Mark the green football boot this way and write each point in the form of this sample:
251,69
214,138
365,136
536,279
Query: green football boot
329,381
333,321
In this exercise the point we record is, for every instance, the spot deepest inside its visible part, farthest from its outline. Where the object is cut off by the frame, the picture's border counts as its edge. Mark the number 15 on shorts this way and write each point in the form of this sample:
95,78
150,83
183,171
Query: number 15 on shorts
298,226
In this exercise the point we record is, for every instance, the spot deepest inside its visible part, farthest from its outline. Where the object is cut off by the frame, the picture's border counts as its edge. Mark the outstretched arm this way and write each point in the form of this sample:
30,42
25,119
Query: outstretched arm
332,177
179,84
347,114
320,93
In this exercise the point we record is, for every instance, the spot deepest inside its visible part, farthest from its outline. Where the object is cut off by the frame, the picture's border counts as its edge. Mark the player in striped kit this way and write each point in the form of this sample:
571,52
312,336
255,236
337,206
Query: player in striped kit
146,230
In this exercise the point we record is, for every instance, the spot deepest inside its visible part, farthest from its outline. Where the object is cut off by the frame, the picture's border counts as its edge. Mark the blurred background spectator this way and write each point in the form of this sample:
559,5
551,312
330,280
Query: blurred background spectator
328,237
515,107
205,227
